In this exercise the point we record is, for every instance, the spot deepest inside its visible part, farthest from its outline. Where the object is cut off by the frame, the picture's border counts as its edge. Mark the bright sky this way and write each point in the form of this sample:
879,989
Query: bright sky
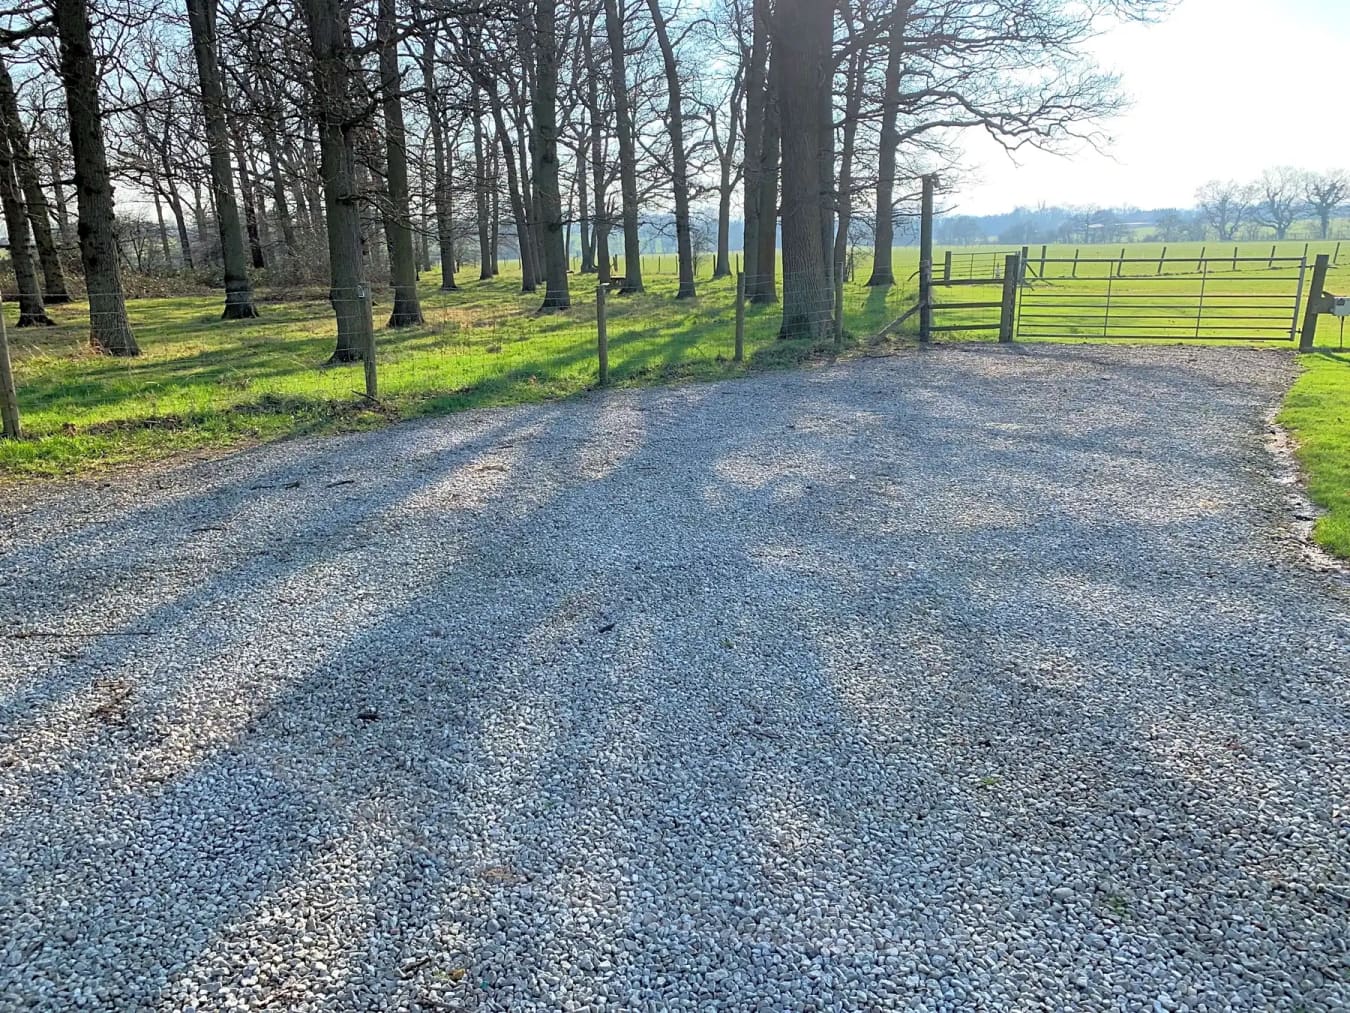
1221,89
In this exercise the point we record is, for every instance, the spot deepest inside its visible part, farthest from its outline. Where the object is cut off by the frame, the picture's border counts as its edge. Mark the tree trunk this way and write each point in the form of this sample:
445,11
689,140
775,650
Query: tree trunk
678,155
35,201
180,221
238,291
330,45
407,311
482,197
883,257
623,126
584,196
600,201
445,226
32,312
764,290
852,110
528,282
756,109
802,56
109,329
246,191
556,293
159,222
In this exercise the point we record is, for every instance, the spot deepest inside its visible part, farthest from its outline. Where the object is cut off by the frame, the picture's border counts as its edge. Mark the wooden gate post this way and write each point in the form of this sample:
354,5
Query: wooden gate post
1012,271
947,268
9,400
926,260
1316,302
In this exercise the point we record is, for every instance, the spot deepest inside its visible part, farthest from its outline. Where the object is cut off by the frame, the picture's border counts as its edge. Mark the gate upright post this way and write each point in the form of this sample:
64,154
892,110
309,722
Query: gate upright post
926,261
1315,299
1012,273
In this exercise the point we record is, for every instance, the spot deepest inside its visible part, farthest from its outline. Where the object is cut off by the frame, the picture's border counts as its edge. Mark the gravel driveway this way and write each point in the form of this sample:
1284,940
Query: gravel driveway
978,679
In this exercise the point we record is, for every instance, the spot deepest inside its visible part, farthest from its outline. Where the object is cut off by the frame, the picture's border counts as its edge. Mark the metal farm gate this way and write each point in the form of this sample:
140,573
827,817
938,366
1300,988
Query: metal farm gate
1234,298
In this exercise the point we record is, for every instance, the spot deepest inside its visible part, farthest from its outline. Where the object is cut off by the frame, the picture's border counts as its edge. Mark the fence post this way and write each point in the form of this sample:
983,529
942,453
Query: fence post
739,355
947,268
1012,272
602,333
838,313
9,399
368,353
1235,257
1045,248
1022,265
1270,264
1075,262
1315,299
1200,264
1120,267
926,260
1162,259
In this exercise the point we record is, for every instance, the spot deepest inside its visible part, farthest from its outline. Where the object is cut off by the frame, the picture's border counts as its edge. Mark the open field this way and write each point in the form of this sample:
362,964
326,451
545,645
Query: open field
204,384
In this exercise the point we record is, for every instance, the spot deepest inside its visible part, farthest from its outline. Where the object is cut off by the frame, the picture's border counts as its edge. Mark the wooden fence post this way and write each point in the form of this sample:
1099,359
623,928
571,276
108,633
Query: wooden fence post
1200,264
1316,299
1012,272
9,398
1162,259
1120,267
1022,265
1075,262
1270,264
368,353
947,268
602,333
926,260
1235,258
739,355
1045,248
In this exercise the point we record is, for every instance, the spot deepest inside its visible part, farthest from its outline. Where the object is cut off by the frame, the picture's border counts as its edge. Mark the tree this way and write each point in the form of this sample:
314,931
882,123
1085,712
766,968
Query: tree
802,49
407,310
678,153
883,265
54,290
338,122
1224,206
1279,200
1325,193
238,290
556,294
623,128
109,329
32,312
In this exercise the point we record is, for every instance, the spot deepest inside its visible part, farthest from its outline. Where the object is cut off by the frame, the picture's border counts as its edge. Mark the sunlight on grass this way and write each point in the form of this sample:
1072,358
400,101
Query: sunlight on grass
203,382
1317,411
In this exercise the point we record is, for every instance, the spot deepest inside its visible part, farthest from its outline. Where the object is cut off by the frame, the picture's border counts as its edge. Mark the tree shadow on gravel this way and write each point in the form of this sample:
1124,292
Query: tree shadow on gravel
664,694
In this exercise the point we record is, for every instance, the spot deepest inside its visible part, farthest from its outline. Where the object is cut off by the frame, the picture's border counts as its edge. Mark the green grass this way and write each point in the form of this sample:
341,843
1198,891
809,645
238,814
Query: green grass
1317,412
206,383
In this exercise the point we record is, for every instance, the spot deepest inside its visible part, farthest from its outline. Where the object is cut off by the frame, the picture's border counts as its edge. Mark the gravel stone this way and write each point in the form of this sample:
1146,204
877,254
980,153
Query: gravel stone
980,678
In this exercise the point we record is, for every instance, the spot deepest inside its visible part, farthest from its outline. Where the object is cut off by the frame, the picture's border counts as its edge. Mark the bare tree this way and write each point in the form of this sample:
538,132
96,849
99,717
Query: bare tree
623,127
1325,193
1279,200
678,153
556,294
1225,206
407,309
238,290
109,329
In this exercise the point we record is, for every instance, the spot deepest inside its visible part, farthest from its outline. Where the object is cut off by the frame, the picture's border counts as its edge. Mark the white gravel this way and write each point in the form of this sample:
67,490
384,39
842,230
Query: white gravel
979,679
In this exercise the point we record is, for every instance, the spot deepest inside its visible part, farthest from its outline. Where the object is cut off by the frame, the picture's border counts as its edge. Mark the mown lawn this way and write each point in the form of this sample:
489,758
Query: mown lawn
203,382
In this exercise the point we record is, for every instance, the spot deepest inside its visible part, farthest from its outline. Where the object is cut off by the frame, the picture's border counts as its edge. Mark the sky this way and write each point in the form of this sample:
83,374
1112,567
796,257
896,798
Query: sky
1221,89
